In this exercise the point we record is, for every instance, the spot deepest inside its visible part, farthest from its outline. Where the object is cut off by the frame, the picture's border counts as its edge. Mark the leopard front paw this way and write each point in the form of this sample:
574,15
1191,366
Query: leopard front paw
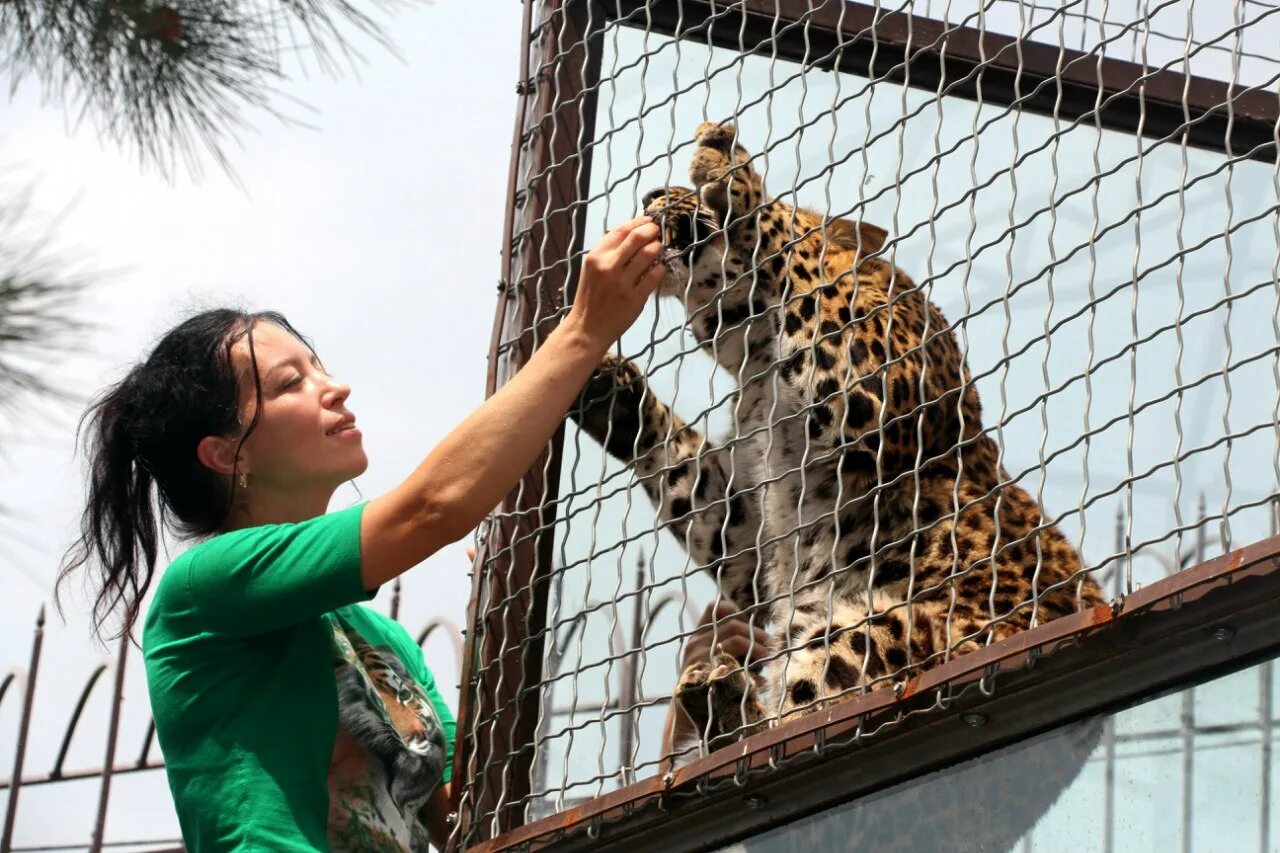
721,170
715,152
719,697
610,408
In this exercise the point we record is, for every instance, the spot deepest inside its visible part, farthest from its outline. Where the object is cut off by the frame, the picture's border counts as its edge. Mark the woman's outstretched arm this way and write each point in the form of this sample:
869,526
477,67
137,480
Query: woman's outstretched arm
483,458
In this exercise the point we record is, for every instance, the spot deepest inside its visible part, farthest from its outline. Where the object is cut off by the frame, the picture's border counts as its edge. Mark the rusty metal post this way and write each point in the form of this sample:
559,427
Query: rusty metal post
109,762
499,707
24,725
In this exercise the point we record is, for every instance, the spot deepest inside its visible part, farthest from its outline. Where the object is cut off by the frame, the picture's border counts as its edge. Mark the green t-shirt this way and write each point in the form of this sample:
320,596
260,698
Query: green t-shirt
272,689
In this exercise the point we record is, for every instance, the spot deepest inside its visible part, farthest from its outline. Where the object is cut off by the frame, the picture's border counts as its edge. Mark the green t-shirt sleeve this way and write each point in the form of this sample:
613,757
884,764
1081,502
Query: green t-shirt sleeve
264,578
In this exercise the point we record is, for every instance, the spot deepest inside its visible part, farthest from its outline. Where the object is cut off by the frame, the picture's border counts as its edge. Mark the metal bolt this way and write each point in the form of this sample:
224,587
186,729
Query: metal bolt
1223,632
755,802
973,720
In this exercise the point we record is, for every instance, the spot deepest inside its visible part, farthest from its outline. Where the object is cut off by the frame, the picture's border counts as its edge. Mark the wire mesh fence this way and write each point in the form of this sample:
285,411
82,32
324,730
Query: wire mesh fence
953,286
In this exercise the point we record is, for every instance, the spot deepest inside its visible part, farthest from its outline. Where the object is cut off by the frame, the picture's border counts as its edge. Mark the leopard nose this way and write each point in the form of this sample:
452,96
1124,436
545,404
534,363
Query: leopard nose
652,195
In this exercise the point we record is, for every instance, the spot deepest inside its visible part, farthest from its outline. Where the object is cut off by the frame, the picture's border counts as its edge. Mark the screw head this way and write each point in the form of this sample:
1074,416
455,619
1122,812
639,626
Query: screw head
755,802
1223,632
973,720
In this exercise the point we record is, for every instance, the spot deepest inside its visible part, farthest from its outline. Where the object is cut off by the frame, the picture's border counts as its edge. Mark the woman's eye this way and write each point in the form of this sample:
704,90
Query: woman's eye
292,383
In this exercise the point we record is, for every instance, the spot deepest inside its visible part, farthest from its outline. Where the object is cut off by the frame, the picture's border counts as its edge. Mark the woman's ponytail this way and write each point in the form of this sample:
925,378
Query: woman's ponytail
118,528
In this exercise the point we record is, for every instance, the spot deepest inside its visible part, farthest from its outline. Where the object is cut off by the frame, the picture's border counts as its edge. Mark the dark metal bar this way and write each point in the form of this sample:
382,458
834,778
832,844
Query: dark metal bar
147,740
1196,625
75,720
499,712
920,52
1266,723
1187,713
109,762
49,848
24,726
79,775
1109,725
551,668
451,630
630,671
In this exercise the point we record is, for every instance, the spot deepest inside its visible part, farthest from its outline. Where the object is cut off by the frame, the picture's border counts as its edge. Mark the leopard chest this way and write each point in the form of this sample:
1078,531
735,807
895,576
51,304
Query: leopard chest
798,530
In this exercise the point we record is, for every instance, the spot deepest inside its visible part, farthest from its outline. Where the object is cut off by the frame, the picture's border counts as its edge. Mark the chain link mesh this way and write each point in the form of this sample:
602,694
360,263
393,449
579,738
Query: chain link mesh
1115,296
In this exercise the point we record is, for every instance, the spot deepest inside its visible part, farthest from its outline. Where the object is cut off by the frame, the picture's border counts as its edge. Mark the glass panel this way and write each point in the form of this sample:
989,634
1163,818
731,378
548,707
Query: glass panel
1103,784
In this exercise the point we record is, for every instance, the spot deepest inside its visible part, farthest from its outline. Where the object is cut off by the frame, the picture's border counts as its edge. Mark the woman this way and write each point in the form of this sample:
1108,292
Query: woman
290,717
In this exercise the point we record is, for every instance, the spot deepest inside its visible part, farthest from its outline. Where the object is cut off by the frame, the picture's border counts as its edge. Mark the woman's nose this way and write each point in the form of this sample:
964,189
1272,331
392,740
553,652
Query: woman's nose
339,390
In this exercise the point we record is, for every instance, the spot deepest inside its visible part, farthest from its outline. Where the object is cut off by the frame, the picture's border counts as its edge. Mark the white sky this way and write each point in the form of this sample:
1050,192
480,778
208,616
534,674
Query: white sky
376,233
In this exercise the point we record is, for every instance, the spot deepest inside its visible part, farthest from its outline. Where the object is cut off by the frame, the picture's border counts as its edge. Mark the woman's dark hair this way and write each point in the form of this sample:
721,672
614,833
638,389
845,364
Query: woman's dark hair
144,475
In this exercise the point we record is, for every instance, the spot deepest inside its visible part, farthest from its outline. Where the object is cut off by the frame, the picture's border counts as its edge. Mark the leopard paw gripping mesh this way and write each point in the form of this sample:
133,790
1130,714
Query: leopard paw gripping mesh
970,324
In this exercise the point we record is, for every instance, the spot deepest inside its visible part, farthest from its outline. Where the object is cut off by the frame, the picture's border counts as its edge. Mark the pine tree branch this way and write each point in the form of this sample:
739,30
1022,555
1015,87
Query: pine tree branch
174,78
39,325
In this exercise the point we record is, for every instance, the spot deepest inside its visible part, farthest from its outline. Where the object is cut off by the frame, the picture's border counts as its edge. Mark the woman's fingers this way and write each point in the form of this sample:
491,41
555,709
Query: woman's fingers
642,236
614,236
723,628
651,278
739,646
641,262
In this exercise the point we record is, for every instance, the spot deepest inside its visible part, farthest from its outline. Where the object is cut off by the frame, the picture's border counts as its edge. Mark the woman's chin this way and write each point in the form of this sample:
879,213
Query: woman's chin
357,465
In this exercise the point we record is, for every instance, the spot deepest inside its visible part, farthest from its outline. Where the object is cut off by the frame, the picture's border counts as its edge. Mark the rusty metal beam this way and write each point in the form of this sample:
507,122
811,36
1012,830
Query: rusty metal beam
1196,625
923,53
550,173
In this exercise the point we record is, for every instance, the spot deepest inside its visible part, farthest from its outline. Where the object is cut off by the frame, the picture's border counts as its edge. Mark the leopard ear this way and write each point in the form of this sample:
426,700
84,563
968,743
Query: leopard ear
860,236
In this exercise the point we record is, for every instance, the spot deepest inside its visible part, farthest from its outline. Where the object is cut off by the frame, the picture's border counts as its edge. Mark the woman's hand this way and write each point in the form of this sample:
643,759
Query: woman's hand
722,628
618,276
484,457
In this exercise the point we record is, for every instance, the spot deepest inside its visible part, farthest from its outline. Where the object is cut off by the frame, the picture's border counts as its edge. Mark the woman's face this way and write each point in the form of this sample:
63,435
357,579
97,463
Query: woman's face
305,438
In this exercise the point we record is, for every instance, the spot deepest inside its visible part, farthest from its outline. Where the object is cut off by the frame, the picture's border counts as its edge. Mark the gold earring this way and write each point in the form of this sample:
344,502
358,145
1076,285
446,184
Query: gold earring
244,480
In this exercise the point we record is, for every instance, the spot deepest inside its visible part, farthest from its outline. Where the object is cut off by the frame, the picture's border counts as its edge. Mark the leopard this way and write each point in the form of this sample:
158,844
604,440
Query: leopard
860,510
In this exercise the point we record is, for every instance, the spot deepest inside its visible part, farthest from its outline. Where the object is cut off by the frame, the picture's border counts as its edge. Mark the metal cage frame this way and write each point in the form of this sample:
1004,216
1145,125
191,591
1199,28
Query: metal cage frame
1168,634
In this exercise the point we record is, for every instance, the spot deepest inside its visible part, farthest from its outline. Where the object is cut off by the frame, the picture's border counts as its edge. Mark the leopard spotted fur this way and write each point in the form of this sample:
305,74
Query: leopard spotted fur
861,506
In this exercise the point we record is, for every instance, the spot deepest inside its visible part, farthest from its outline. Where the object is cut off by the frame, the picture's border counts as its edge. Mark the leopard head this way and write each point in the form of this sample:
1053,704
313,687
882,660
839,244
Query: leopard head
692,239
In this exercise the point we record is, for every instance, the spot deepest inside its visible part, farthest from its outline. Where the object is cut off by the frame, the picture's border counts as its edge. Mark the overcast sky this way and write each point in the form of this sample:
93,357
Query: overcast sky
376,233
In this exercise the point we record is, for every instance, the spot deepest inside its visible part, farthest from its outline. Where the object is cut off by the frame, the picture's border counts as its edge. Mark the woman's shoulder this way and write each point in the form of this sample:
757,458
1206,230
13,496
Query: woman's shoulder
214,549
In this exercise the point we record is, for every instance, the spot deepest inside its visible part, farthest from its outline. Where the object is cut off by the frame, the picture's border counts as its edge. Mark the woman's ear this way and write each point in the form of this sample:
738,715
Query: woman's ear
217,454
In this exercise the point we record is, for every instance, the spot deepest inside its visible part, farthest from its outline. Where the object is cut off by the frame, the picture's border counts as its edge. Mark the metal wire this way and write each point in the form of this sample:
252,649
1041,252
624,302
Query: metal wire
1029,224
